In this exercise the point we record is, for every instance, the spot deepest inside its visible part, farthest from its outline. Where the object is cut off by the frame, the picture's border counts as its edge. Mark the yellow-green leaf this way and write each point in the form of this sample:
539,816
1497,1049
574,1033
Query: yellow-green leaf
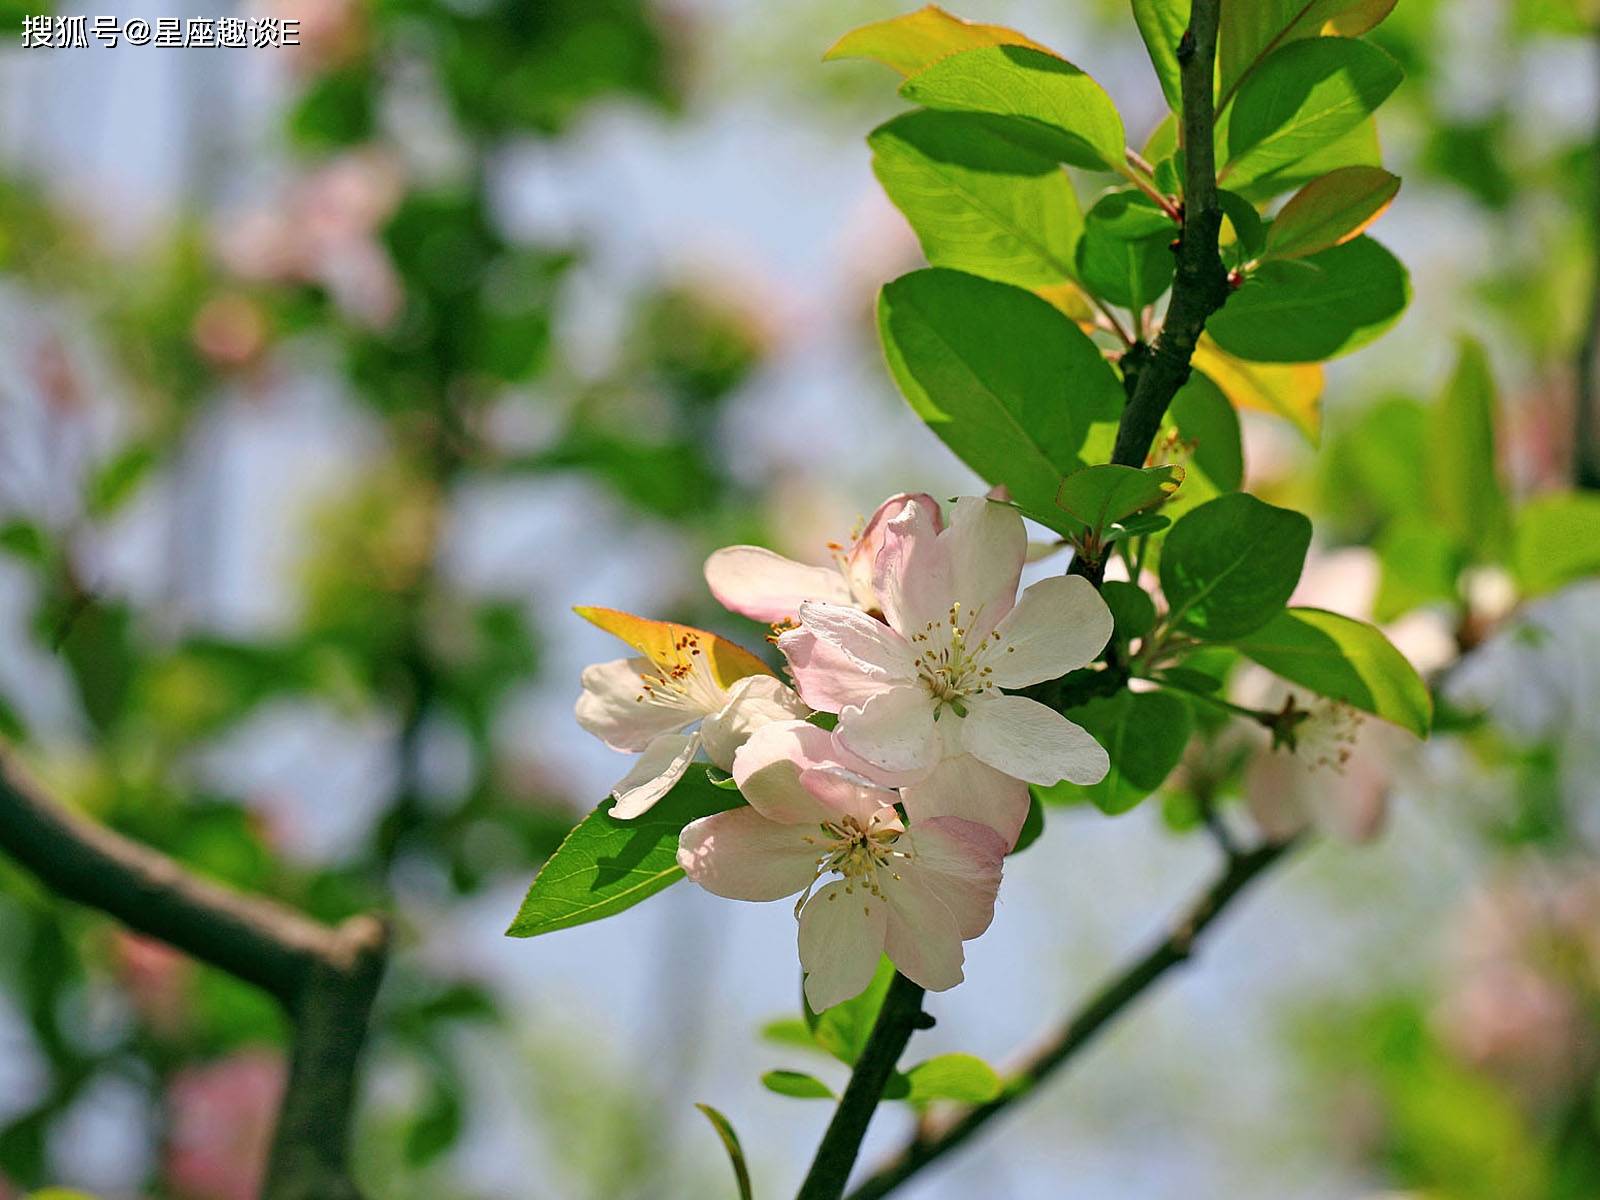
919,39
1330,211
730,1143
1252,29
1292,391
1558,540
1466,498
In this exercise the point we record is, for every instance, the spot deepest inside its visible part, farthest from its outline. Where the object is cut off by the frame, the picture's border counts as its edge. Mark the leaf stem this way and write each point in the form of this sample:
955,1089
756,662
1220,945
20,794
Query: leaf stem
1119,993
900,1015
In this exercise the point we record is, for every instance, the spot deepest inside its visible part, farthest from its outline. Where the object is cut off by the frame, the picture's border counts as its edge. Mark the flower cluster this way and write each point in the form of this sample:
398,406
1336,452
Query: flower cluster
903,807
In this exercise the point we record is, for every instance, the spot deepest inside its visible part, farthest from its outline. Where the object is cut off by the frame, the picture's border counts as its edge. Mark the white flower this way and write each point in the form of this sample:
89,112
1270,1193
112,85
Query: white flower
688,690
923,686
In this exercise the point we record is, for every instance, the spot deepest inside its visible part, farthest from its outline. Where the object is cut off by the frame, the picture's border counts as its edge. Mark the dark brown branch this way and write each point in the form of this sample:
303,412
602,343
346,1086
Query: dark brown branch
1200,285
900,1015
1586,391
324,977
1111,1001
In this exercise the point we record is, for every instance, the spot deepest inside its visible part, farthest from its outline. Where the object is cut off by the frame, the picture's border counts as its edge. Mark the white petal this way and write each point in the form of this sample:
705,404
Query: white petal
655,774
870,646
616,709
827,677
768,587
923,938
961,861
743,856
893,730
964,787
841,937
767,769
1059,625
754,701
988,545
1024,738
912,574
863,560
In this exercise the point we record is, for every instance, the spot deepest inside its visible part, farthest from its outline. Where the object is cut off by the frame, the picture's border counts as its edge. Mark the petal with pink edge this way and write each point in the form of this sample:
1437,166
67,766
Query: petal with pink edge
870,646
987,546
912,574
851,795
1024,738
655,774
765,586
610,706
841,937
827,677
961,861
859,567
1059,625
922,938
743,856
767,769
893,730
966,787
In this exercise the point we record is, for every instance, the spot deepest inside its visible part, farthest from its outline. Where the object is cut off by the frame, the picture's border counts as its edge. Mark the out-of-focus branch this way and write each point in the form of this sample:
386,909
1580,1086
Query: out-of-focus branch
325,977
1200,285
934,1142
1586,395
900,1015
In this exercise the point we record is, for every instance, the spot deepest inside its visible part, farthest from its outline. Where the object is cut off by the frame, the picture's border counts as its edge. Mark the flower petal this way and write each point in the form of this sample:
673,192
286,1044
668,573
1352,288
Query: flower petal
616,709
767,769
743,856
827,677
912,573
670,645
1059,625
862,562
972,790
987,547
893,730
753,702
868,643
961,862
655,774
841,937
1024,738
768,587
923,938
851,795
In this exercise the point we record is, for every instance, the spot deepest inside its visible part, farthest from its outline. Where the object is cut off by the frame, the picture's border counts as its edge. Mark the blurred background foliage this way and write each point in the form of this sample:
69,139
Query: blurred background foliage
379,250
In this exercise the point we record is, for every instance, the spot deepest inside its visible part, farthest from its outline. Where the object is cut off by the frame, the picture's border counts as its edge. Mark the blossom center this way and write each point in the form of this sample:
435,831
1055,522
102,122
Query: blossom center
951,663
1328,737
861,851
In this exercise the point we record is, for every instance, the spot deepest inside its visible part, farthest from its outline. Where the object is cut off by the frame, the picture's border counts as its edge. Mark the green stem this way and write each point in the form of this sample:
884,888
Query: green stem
836,1155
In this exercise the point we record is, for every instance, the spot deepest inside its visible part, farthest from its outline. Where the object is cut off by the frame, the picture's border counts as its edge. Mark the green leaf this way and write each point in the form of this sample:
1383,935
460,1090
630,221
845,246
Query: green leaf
117,479
1144,734
25,541
1314,308
796,1084
964,1078
1249,233
1207,422
1162,24
1302,98
1107,492
979,197
1558,541
1008,382
1420,563
1356,148
843,1030
1329,211
606,866
1032,826
1132,611
1230,565
730,1143
1125,255
915,40
1465,496
1018,81
1252,29
1344,659
790,1031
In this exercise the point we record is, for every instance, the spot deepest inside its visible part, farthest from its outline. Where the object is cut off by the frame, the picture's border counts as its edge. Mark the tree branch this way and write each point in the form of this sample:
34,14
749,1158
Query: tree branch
900,1015
1586,411
1117,995
324,977
1200,285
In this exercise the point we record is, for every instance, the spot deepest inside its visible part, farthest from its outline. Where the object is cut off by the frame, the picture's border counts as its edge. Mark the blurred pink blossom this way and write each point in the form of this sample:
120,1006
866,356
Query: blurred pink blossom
221,1121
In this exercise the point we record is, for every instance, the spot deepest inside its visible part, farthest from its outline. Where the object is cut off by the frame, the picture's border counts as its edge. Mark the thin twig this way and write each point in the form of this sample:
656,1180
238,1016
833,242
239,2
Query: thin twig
900,1015
1200,284
324,977
1106,1005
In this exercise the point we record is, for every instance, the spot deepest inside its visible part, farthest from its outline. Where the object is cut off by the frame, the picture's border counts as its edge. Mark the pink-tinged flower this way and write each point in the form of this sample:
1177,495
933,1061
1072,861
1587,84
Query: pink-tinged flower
221,1121
688,691
925,687
914,893
764,586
